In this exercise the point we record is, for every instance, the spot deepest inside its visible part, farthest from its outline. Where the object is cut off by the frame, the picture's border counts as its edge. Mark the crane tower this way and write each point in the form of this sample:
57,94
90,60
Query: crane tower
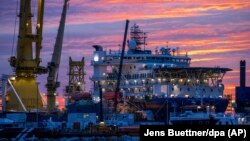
25,95
53,66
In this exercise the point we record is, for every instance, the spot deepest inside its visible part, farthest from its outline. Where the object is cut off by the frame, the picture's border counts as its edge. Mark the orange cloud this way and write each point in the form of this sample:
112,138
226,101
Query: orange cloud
206,59
212,51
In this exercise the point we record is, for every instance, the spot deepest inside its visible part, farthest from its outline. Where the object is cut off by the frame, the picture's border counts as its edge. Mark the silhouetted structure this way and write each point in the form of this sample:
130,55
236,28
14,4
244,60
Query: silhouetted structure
243,92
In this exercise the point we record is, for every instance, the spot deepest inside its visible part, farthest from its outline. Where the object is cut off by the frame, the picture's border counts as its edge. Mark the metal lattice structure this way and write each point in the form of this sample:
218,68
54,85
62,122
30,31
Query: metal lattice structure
76,76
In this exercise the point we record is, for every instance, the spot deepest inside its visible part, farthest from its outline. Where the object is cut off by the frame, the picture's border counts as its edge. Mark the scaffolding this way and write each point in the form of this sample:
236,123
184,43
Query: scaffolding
138,36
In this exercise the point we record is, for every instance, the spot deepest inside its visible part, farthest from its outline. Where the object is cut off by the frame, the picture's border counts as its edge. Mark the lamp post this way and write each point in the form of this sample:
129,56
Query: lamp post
167,110
37,103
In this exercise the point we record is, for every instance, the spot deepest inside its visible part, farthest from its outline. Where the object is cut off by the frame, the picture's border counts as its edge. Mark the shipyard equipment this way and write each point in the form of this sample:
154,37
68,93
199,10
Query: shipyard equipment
76,76
75,87
117,90
53,66
26,62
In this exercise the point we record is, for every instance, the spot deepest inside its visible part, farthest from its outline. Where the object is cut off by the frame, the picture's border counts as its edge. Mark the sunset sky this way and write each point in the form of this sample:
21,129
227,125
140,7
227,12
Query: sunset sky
213,32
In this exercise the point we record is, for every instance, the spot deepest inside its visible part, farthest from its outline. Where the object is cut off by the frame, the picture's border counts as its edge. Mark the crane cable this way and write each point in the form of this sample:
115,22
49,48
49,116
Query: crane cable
13,41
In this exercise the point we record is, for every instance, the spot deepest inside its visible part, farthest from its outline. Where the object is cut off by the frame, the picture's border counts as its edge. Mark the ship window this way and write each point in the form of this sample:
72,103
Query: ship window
129,57
85,116
148,74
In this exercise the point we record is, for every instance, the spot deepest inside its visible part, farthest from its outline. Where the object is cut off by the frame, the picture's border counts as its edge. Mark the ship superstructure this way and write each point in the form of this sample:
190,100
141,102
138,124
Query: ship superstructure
149,75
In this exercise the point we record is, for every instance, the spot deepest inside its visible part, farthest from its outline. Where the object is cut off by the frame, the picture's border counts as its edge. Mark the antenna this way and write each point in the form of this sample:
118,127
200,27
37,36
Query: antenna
177,51
119,48
144,37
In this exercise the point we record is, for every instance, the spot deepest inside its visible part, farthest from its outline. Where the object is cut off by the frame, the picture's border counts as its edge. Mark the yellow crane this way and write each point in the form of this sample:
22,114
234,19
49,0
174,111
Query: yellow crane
25,95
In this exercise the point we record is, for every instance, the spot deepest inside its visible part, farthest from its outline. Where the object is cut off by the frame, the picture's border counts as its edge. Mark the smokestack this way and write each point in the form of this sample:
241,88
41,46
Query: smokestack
242,73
